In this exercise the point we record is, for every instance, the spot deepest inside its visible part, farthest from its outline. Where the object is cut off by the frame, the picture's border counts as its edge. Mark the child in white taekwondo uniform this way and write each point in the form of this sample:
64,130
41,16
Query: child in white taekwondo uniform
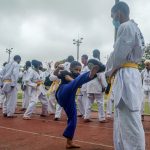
10,75
95,91
145,74
52,98
123,62
38,92
26,88
82,95
2,95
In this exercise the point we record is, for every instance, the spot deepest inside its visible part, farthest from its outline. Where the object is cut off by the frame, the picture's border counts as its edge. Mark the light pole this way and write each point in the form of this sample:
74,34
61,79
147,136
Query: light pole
77,42
9,52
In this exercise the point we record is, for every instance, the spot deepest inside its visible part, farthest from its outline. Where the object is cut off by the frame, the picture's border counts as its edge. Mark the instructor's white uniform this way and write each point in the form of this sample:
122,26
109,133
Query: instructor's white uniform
128,128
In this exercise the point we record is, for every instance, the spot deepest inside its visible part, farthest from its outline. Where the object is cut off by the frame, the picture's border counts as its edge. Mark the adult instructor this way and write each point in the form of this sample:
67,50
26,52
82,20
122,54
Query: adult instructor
123,62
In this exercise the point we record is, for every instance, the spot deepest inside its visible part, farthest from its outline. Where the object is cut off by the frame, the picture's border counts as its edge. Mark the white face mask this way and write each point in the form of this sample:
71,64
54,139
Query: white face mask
116,23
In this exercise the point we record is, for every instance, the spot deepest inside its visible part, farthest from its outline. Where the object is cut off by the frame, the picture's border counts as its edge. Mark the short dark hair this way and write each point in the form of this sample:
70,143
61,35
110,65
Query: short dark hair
17,57
96,52
85,56
70,58
74,64
28,63
40,63
122,6
35,63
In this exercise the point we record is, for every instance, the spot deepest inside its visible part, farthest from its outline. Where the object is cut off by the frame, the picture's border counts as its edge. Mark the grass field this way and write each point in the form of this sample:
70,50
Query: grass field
94,107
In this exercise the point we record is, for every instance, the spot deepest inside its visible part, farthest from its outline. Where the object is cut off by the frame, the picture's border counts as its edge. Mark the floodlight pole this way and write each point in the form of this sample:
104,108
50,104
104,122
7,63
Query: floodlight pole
77,42
9,52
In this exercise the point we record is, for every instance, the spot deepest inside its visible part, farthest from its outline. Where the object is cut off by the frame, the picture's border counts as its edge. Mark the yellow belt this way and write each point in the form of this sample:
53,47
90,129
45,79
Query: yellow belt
126,65
39,83
130,65
7,81
78,92
54,86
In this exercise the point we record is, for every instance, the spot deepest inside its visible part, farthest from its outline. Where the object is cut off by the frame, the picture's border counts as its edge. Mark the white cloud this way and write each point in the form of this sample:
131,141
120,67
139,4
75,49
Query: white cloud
44,29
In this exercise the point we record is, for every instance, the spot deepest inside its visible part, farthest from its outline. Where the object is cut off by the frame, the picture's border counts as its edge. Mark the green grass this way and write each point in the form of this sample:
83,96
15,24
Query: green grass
146,108
94,106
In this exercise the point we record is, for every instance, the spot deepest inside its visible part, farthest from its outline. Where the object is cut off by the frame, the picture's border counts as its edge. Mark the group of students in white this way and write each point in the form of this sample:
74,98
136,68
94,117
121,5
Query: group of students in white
124,85
35,88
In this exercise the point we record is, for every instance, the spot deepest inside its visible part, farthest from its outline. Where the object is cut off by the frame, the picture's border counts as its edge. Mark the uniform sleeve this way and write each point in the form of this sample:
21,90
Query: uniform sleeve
53,77
123,46
15,74
101,77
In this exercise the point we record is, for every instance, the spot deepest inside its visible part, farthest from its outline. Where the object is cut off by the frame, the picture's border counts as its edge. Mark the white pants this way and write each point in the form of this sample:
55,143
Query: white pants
2,98
82,99
26,97
146,97
10,102
58,111
128,129
51,103
100,101
110,105
32,104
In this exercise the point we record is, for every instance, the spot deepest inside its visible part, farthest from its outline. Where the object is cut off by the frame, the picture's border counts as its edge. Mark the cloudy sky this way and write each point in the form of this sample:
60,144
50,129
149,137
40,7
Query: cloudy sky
44,29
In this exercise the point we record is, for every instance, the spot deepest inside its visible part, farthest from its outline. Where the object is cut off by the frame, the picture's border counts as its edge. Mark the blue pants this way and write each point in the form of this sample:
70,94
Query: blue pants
65,96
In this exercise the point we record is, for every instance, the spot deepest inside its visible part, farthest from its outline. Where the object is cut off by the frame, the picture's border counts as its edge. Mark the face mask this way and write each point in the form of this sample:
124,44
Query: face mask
40,68
116,23
90,66
75,74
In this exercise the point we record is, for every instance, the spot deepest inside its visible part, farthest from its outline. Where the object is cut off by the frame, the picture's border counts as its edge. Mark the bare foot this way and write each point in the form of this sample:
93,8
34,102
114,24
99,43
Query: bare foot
26,118
71,146
104,121
94,70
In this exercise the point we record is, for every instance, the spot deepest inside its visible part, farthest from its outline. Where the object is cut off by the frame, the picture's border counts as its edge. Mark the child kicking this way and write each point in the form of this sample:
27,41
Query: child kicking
65,95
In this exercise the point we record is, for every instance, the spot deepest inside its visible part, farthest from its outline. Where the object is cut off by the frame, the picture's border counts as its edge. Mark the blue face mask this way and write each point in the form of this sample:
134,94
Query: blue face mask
116,23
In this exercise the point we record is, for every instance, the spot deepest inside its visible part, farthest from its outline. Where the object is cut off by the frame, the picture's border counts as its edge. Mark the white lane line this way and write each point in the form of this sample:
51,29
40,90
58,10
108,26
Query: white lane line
56,137
79,124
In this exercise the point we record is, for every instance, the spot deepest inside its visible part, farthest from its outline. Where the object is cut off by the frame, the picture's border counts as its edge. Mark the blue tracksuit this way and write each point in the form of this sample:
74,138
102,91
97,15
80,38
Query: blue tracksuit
65,96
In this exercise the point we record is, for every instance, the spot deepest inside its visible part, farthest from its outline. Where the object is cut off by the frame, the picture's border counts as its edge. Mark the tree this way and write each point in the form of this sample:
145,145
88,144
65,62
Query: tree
145,56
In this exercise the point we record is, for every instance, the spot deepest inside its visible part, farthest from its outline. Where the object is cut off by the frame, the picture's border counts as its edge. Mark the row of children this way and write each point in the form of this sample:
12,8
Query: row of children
33,79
